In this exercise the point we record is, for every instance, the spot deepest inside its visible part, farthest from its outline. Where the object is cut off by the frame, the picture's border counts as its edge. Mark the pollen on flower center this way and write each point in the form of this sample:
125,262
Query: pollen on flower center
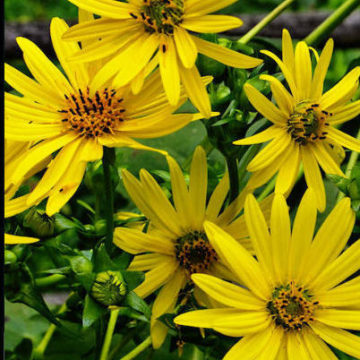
93,116
308,123
194,252
291,306
160,15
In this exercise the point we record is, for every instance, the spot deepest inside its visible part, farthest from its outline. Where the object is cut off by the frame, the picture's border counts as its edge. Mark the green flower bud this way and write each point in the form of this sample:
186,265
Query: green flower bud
340,182
109,288
41,224
354,190
100,227
81,265
9,257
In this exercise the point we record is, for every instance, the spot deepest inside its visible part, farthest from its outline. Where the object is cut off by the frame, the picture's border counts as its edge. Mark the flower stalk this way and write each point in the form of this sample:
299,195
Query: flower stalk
335,19
109,198
140,348
265,21
109,334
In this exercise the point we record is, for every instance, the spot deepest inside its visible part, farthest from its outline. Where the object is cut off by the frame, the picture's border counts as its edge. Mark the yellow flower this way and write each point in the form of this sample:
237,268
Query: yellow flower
144,33
304,122
294,296
175,245
71,116
14,151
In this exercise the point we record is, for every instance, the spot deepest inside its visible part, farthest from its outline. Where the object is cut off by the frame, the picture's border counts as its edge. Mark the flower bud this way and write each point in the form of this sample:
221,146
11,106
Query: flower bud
109,288
41,224
81,265
9,257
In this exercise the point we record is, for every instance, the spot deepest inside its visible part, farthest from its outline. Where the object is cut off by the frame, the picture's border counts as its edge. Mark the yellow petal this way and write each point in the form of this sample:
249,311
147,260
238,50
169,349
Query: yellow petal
266,135
343,139
282,97
76,72
217,198
302,234
337,271
238,259
296,348
211,23
145,261
316,347
196,90
338,338
224,55
325,160
339,92
330,239
303,70
169,70
346,319
278,147
346,113
280,236
198,186
264,106
288,55
321,70
196,8
227,293
164,303
16,206
185,47
25,131
313,176
16,239
259,234
108,8
157,277
289,170
135,241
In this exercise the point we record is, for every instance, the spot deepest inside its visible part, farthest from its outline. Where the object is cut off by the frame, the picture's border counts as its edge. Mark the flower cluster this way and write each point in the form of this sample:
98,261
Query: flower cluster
128,70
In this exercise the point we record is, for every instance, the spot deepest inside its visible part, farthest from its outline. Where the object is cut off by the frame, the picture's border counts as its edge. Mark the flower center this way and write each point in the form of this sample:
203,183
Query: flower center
93,116
308,123
194,252
291,306
160,15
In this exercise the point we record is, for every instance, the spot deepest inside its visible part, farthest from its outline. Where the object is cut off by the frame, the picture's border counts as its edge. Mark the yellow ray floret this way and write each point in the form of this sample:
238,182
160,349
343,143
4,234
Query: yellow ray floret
294,296
304,122
73,117
159,31
175,245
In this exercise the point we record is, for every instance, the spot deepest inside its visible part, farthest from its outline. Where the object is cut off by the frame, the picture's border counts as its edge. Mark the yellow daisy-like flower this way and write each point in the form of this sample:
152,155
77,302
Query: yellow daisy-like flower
71,116
156,31
304,122
176,245
293,298
14,152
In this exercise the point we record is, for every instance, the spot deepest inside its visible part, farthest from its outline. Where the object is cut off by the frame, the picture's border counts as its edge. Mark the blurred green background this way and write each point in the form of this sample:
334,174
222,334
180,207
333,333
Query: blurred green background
29,10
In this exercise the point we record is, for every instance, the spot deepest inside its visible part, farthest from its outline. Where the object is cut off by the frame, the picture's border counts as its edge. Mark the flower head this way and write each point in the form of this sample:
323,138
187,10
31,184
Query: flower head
293,297
304,122
71,116
145,33
175,245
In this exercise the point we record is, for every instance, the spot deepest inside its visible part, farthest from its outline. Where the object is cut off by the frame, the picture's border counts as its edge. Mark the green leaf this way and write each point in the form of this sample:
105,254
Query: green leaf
138,304
92,311
125,311
133,279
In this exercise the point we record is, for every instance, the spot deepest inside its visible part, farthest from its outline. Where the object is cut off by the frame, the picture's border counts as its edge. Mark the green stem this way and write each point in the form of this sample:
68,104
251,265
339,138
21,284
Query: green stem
109,334
109,198
336,18
265,21
49,280
268,189
140,348
232,166
352,162
38,352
